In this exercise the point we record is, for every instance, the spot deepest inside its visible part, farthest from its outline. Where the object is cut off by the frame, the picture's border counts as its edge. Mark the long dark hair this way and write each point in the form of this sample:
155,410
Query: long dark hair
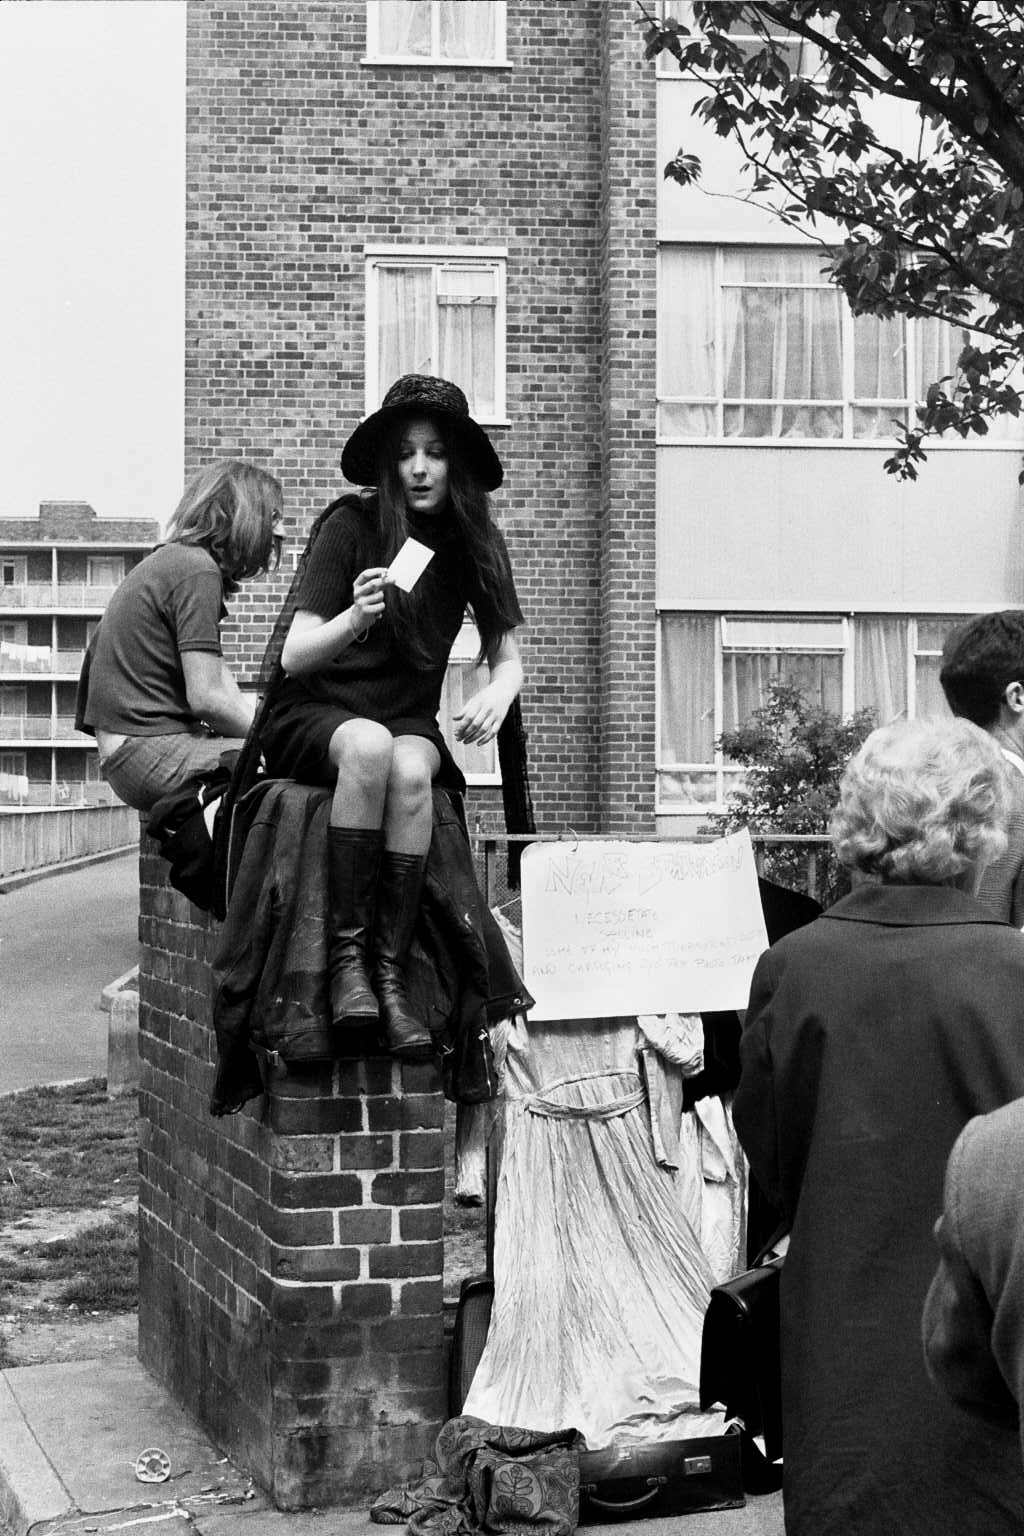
489,575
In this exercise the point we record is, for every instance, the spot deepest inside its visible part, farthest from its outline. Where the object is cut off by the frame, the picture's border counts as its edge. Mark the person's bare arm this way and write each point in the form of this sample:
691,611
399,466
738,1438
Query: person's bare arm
213,695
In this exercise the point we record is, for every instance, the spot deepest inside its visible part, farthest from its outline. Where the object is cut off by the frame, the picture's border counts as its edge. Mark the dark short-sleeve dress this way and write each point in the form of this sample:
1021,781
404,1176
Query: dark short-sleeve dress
370,679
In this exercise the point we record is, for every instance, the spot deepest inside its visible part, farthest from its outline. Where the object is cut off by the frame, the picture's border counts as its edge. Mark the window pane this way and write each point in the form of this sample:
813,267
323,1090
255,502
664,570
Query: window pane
931,701
880,667
686,788
879,358
746,678
468,29
686,323
467,324
687,688
406,307
462,680
404,28
686,420
782,343
932,633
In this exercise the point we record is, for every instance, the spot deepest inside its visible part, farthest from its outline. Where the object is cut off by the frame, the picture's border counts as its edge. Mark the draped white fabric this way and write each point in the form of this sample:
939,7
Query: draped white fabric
600,1281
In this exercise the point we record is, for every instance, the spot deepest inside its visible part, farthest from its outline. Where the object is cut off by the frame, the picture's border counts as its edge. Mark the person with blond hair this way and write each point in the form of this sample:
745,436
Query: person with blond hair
872,1036
155,690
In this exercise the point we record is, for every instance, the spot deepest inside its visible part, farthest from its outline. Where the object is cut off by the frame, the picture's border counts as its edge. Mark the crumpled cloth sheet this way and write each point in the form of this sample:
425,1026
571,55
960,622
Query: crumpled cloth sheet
488,1478
713,1185
600,1282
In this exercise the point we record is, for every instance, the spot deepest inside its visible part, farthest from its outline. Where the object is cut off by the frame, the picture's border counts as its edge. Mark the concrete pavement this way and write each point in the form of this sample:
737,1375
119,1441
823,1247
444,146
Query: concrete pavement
62,940
71,1434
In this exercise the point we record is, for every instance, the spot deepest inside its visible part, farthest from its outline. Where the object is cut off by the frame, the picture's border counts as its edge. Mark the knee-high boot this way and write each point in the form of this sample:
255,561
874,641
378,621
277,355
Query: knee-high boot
353,869
398,902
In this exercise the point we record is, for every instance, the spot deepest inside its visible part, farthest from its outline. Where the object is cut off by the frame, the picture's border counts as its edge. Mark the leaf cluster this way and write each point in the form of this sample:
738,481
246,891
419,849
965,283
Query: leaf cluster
934,217
794,754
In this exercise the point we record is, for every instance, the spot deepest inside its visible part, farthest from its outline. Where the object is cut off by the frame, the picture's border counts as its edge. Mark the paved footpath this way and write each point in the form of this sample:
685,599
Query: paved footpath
62,940
70,1436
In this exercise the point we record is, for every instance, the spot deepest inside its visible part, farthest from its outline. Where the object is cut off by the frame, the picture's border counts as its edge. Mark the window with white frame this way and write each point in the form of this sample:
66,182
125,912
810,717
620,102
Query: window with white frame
714,670
754,342
13,571
467,32
438,313
749,33
463,678
105,570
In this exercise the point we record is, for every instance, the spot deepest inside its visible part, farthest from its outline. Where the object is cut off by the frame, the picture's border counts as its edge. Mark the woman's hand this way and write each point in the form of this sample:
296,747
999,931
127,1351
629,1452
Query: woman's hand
478,720
368,598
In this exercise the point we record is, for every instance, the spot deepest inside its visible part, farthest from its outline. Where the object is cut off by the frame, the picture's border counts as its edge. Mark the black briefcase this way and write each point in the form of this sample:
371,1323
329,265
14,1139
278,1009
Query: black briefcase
678,1477
740,1366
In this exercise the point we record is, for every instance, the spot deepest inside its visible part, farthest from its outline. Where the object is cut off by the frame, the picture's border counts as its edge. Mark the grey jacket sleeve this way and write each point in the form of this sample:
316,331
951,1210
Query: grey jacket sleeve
959,1325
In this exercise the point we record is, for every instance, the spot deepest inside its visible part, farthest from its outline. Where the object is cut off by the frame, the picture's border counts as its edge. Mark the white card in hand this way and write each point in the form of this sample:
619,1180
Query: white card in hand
409,564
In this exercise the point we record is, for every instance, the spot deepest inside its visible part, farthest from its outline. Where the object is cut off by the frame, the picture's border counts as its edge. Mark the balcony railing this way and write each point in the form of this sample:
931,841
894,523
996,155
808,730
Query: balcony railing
18,660
56,594
41,728
66,793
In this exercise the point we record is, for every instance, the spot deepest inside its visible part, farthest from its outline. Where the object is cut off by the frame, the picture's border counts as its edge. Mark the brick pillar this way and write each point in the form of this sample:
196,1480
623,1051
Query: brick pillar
290,1259
628,235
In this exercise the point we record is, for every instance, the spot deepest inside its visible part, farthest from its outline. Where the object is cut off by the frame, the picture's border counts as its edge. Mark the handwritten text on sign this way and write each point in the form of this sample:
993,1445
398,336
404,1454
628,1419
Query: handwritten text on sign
621,928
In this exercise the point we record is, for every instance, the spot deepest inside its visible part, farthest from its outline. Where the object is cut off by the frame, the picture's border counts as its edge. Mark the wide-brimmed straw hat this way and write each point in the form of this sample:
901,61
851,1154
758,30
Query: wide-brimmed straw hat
414,394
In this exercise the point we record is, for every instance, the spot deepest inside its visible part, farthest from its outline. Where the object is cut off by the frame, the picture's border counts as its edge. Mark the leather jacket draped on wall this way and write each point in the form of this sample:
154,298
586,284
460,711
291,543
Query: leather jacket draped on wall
270,995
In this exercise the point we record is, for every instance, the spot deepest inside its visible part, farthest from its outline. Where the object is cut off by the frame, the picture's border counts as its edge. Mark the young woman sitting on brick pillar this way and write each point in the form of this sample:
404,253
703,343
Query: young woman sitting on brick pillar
364,662
154,689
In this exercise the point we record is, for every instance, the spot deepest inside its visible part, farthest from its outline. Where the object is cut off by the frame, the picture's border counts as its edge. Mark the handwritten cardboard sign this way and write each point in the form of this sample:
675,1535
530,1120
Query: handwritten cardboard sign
614,928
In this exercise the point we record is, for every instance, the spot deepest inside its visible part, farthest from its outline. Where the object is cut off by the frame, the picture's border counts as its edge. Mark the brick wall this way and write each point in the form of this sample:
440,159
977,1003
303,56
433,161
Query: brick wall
627,567
290,1255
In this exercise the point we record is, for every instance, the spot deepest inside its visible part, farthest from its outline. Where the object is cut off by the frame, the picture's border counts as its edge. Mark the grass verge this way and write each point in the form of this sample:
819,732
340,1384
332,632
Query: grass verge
67,1148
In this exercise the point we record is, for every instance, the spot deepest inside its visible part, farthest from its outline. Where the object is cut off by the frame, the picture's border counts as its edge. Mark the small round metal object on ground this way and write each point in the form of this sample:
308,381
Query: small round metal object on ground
152,1465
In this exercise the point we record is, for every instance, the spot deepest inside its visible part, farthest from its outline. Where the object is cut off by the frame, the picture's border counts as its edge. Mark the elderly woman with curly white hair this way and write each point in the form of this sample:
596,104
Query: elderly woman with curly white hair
872,1036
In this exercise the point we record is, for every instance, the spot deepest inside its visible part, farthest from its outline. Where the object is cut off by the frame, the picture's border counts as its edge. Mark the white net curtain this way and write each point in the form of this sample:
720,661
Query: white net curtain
465,28
757,343
440,318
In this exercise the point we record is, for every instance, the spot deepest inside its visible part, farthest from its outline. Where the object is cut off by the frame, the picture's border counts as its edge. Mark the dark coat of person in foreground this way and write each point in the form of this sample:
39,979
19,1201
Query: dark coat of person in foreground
872,1037
973,1326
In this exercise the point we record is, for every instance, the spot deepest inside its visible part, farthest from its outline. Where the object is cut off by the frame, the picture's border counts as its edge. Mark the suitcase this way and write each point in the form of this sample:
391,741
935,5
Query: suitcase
676,1478
739,1367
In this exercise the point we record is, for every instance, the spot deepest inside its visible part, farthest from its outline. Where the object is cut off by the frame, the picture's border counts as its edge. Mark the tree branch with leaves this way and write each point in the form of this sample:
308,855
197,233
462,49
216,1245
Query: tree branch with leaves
935,230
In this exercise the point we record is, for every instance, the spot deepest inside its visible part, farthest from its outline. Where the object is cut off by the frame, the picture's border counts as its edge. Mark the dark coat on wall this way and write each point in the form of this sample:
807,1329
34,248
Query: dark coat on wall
872,1036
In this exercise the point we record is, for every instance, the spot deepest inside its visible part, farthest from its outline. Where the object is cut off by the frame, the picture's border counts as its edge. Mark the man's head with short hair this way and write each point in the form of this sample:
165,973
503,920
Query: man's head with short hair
979,662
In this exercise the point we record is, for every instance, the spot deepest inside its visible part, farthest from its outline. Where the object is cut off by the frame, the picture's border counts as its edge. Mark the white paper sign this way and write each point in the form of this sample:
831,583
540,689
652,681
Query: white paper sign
616,928
409,564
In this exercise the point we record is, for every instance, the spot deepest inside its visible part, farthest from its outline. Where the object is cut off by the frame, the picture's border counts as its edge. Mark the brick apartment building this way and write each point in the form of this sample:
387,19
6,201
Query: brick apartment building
57,573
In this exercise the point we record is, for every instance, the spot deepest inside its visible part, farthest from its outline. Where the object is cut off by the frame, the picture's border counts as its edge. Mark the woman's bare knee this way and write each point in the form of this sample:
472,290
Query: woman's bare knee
363,750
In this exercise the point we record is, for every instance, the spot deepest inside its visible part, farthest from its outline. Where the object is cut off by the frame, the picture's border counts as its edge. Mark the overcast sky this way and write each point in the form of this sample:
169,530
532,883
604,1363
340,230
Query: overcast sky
92,200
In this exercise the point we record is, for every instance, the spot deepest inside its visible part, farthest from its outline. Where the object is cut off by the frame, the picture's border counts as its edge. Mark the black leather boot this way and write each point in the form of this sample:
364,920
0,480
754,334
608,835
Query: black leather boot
353,868
398,903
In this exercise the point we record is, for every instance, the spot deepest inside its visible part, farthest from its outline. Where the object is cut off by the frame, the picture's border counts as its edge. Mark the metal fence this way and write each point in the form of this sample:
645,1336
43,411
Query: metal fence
801,861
